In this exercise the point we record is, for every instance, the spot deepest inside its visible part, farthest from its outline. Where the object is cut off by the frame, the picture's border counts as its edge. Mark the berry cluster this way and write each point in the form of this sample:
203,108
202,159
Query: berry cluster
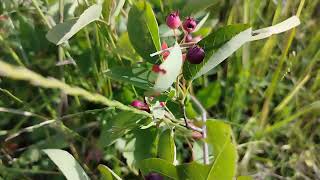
195,54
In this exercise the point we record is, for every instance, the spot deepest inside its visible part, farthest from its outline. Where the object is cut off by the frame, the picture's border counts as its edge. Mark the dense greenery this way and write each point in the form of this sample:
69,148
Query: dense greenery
70,70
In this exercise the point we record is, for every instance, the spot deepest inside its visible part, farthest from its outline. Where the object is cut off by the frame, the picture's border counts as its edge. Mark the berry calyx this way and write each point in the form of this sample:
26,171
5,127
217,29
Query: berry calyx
189,24
153,176
195,54
173,20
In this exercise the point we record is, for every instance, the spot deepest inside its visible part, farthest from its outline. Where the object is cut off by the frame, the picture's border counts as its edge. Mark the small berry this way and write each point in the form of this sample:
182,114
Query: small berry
195,54
162,104
139,105
189,24
173,20
153,176
188,38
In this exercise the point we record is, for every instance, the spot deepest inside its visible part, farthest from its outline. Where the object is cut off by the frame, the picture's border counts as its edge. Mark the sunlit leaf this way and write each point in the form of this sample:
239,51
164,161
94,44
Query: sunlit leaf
224,151
218,46
201,22
64,31
107,173
172,67
67,164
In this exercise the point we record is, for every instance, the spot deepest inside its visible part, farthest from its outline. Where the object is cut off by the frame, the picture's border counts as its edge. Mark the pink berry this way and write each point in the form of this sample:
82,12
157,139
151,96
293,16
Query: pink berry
195,54
137,103
189,24
140,105
162,104
173,20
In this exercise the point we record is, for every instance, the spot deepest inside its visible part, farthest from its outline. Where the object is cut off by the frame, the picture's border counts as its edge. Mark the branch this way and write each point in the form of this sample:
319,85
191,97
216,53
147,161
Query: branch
204,128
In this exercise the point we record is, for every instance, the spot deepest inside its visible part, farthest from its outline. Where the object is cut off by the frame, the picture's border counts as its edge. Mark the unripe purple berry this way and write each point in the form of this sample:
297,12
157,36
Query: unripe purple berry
173,20
153,176
195,54
189,24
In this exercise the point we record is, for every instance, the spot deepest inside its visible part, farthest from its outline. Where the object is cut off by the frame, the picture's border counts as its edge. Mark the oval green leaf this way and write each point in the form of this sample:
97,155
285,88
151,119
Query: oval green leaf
67,164
224,151
172,67
64,31
166,146
143,31
107,173
218,46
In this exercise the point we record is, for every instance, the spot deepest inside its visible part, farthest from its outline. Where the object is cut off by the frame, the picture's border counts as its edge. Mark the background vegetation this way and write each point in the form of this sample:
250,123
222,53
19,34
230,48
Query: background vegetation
269,91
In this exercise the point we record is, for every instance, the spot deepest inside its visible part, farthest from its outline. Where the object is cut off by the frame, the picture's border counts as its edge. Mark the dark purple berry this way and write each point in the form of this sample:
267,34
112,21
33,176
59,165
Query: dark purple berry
173,20
195,54
189,24
153,176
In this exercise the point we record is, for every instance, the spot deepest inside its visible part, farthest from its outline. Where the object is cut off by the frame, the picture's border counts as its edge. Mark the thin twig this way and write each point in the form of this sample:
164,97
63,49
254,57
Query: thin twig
189,126
29,129
204,129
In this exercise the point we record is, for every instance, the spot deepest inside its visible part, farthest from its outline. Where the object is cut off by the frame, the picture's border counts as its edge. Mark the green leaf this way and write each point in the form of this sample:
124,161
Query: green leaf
224,151
190,171
244,178
172,67
107,173
160,166
125,48
192,6
107,8
209,96
146,144
165,31
64,31
67,164
119,6
166,146
201,22
193,171
143,31
139,76
119,125
218,46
